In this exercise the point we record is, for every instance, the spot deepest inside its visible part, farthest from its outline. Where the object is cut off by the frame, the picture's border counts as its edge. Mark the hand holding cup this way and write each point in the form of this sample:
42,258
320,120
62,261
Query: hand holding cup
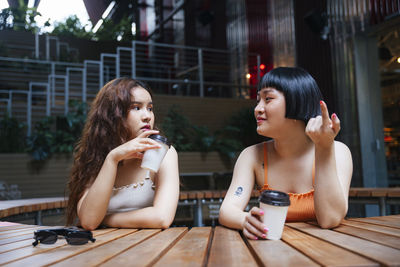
253,227
135,147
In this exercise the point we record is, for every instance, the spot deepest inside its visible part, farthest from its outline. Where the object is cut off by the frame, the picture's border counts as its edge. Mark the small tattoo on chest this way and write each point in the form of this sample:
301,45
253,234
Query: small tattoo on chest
239,191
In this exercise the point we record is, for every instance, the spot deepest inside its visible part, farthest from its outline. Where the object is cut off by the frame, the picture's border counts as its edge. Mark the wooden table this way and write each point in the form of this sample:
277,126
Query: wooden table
371,241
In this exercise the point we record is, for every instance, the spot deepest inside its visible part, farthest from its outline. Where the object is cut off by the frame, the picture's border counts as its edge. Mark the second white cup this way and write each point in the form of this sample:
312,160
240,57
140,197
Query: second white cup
152,158
275,205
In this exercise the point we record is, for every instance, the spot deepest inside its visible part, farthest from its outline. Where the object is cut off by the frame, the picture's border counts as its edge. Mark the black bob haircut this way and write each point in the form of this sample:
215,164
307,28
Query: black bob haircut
301,91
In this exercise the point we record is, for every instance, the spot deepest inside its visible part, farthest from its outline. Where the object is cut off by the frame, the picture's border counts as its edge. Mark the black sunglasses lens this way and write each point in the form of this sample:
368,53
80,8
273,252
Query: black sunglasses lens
77,238
46,237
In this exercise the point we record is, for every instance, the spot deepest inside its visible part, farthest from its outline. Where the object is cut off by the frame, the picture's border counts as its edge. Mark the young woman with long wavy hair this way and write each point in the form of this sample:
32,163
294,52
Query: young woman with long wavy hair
107,185
302,158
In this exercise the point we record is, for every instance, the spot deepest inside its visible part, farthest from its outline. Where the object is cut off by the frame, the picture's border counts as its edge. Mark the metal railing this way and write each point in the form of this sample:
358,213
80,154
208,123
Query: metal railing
48,86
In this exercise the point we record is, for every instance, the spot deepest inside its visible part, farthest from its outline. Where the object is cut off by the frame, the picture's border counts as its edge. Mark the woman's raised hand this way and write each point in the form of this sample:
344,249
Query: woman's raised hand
135,147
253,228
323,129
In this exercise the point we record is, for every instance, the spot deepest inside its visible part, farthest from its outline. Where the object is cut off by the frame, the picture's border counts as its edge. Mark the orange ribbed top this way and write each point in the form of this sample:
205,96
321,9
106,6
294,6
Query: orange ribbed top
301,205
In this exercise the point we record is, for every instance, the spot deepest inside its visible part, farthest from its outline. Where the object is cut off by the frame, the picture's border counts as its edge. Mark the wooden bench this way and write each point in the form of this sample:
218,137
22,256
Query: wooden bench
361,195
211,199
375,195
34,208
31,208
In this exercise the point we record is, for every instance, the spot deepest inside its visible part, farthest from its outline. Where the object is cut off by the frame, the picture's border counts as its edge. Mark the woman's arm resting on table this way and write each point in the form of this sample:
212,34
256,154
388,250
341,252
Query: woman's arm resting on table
92,206
232,212
162,213
333,177
333,169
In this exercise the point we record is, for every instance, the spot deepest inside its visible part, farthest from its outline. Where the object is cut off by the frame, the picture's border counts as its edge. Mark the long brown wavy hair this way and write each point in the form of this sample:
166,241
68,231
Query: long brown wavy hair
105,129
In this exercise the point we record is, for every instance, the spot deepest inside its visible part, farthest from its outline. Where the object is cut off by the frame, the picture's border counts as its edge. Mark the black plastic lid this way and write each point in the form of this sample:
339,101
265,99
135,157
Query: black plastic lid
160,138
275,198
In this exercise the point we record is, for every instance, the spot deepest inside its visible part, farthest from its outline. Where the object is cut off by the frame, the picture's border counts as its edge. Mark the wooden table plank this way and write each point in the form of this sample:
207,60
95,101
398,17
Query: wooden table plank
6,223
379,192
394,192
10,234
149,251
374,192
15,245
216,194
229,249
267,251
15,227
200,195
192,195
323,252
377,220
352,192
50,254
390,218
16,238
109,250
183,195
208,194
17,231
380,253
364,192
384,239
373,227
191,250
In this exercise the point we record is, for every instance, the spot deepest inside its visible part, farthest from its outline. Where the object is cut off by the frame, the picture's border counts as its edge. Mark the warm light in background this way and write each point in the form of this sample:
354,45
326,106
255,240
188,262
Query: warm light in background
262,66
248,75
398,60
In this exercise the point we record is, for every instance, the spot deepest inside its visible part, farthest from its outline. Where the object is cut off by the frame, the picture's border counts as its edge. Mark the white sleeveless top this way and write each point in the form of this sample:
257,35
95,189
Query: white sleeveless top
132,197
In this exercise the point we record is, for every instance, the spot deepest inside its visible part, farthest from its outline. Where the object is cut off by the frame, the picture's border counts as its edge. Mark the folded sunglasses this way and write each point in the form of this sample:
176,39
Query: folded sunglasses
73,236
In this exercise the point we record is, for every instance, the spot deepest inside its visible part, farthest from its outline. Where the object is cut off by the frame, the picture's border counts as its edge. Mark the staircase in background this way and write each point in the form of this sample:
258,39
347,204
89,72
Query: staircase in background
31,89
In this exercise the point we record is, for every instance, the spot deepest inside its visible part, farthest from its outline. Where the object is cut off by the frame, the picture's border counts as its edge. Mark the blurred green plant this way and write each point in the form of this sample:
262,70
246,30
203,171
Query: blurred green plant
12,135
19,18
239,133
108,31
69,128
40,143
3,49
57,135
178,129
121,31
242,127
71,27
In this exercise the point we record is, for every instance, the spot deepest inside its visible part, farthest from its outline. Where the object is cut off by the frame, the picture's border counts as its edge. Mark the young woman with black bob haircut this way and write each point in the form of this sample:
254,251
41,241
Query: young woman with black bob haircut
107,185
302,159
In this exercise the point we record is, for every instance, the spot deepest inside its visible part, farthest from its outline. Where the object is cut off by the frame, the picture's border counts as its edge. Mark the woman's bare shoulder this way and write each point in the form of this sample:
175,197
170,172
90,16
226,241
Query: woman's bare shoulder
253,151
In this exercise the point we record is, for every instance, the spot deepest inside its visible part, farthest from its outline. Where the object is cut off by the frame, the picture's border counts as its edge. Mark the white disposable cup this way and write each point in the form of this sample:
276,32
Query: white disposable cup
152,158
275,214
